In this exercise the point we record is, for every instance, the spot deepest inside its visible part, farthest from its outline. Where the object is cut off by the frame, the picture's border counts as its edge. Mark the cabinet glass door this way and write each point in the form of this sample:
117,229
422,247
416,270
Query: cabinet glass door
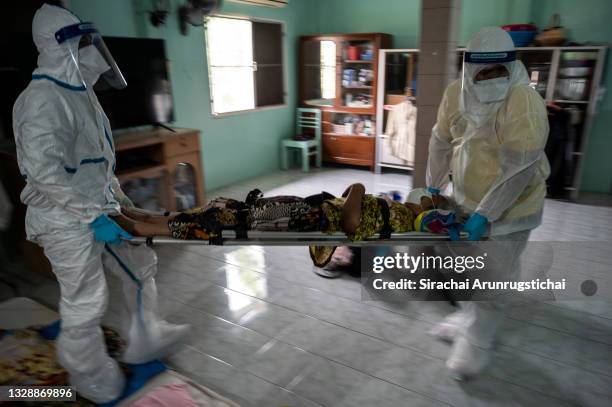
537,63
185,186
575,76
319,73
357,73
398,131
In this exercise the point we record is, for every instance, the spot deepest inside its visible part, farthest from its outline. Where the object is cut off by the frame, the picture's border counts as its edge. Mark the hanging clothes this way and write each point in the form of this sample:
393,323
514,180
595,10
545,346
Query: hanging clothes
401,129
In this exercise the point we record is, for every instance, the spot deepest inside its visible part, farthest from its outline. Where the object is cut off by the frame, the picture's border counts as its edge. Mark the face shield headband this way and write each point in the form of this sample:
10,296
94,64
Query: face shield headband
492,89
81,35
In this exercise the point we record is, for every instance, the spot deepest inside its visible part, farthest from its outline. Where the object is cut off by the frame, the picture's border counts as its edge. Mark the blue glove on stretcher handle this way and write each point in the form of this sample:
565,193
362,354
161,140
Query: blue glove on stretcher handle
475,226
107,231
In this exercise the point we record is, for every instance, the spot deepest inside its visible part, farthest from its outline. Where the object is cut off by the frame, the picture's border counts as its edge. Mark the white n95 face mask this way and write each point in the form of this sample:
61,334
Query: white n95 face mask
491,90
91,64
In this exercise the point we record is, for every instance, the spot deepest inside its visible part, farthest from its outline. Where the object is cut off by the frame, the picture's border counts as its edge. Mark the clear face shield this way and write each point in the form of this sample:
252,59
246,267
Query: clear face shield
91,56
487,76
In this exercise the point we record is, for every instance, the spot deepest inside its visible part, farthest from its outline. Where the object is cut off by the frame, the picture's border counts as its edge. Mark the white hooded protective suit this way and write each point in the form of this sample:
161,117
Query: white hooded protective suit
66,155
491,134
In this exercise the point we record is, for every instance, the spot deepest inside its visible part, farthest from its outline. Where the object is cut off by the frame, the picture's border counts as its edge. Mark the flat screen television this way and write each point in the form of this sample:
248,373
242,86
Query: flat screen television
146,100
148,97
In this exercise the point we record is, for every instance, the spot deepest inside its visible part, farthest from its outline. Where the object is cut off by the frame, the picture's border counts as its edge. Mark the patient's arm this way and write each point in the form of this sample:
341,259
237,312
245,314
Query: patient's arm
143,215
140,228
351,211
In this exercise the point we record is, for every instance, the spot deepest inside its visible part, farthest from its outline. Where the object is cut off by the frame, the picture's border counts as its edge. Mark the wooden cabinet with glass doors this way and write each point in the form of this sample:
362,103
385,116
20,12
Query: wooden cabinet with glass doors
338,74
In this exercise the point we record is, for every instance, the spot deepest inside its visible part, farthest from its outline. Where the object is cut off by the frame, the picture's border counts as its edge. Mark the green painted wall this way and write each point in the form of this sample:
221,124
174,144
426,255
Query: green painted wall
401,18
245,145
589,20
234,147
476,14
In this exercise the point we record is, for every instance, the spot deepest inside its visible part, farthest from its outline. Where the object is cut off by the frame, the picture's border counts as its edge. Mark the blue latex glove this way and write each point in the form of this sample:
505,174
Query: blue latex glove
475,226
107,231
433,190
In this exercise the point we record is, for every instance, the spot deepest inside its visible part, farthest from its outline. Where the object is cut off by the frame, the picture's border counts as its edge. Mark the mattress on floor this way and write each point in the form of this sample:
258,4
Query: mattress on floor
22,313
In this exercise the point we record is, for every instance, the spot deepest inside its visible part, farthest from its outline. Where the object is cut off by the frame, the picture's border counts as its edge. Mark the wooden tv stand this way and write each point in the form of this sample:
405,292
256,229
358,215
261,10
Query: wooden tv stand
164,151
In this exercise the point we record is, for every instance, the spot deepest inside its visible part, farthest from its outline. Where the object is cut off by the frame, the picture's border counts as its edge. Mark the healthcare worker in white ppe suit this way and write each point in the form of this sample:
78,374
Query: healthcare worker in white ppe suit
490,134
66,155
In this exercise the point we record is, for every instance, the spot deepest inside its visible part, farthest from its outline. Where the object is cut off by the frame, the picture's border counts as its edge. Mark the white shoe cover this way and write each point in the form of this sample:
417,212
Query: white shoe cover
157,342
447,330
467,360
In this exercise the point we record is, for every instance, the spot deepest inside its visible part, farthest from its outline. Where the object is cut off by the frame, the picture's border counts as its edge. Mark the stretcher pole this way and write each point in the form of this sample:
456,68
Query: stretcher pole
258,238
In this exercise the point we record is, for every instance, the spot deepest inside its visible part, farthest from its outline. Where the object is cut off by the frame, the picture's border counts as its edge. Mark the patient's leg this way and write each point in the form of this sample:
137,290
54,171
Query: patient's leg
351,211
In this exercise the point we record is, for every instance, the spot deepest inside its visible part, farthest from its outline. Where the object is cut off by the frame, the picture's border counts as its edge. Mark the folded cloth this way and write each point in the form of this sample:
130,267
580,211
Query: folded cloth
169,395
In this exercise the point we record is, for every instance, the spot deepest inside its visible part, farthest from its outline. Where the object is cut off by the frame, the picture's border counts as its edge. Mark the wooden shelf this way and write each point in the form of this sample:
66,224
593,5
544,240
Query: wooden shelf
347,135
367,111
358,61
360,107
365,87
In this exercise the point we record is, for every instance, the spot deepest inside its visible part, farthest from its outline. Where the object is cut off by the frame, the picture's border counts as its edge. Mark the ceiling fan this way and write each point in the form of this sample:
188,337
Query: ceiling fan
194,11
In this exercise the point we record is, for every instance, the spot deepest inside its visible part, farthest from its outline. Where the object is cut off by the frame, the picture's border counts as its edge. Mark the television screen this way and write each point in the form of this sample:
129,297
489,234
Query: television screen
148,96
146,100
17,61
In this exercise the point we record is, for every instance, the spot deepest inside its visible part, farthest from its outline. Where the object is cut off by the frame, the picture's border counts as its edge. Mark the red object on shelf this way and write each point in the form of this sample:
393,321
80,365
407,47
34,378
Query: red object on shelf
520,27
353,52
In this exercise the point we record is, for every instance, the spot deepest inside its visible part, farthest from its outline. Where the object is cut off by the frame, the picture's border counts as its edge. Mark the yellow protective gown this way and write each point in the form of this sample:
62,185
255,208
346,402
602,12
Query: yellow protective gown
499,168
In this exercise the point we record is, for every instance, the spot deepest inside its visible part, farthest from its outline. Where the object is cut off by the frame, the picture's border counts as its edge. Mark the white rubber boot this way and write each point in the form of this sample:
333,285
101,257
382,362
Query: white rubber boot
448,329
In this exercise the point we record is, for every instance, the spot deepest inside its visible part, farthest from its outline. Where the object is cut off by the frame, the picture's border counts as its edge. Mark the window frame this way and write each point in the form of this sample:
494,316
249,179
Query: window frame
208,66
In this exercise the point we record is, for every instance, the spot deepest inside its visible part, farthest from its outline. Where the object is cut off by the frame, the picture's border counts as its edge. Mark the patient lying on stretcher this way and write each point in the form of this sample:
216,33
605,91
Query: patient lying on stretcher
357,214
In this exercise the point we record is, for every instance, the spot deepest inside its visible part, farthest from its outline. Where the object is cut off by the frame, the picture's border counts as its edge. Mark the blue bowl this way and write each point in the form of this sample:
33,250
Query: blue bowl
522,38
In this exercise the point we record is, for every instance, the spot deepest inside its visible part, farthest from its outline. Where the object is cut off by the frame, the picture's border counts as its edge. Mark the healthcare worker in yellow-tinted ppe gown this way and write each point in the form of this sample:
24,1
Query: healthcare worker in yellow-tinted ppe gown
490,133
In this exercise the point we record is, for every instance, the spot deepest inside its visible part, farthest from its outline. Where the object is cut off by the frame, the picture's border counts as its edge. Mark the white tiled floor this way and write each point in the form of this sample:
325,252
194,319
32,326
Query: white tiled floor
269,332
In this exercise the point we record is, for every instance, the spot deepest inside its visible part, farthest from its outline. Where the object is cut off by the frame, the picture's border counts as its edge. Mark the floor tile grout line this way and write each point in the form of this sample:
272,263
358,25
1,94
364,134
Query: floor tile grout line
390,343
560,306
584,338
